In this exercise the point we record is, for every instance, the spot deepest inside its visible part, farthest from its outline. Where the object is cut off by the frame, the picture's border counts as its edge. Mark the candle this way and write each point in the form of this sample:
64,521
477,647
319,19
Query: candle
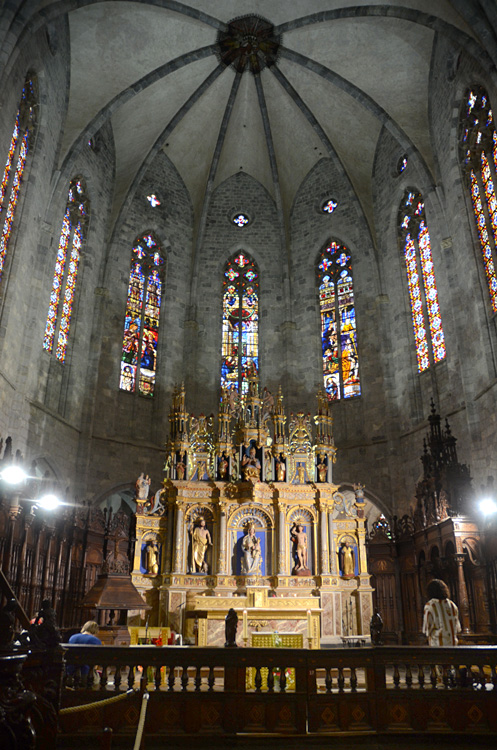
309,624
245,624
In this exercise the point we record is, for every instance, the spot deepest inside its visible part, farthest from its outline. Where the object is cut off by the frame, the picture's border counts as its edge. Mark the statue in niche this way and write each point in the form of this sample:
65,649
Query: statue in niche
346,560
201,539
300,554
280,468
142,486
230,628
236,465
152,558
322,471
301,473
223,467
268,469
180,466
251,465
252,556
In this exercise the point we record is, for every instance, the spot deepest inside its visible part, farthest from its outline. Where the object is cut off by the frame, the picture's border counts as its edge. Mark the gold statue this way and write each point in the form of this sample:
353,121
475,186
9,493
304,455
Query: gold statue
251,466
152,558
346,557
201,539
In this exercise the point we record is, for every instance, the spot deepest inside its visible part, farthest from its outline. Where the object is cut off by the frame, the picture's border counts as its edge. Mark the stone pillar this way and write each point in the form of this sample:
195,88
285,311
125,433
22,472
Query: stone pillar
325,558
178,538
462,592
332,547
168,562
221,560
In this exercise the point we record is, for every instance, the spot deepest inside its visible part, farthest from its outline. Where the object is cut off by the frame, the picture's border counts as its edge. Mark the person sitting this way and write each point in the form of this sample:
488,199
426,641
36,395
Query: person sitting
87,637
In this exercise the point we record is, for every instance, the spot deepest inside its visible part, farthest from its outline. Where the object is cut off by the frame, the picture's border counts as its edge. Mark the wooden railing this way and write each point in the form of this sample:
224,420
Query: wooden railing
329,691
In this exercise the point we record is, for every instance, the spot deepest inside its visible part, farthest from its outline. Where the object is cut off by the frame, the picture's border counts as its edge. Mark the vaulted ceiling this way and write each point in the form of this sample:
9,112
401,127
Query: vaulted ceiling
270,94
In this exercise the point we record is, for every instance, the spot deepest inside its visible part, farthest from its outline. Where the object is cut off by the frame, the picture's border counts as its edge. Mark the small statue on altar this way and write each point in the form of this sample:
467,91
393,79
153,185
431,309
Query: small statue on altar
268,468
142,486
152,558
252,556
201,539
235,463
346,560
251,465
299,539
322,471
167,467
280,468
223,467
180,467
230,628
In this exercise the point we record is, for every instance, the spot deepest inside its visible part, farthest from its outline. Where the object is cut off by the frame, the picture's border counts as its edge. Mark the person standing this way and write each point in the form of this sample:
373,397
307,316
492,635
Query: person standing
441,616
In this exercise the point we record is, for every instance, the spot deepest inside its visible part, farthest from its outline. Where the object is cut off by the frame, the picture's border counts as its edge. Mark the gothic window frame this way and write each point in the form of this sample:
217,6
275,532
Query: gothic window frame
146,283
15,166
241,292
416,248
478,156
70,252
338,322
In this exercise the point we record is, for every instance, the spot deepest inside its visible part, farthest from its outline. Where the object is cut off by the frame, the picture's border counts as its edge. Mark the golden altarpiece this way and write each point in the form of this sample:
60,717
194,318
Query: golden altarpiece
248,518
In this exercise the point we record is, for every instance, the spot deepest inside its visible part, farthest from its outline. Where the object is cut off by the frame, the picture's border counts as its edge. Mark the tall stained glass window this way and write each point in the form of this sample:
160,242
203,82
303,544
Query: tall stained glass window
478,149
141,322
72,237
20,143
338,323
240,347
425,310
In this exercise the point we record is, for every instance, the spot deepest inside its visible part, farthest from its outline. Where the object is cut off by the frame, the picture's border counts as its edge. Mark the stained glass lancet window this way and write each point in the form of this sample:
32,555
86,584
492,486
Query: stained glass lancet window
20,144
425,310
338,323
72,237
141,323
240,345
478,149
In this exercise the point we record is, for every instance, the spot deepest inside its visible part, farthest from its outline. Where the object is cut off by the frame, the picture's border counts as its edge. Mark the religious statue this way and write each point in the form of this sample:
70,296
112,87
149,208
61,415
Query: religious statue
280,469
180,467
268,469
236,465
230,627
167,467
251,465
223,467
346,559
322,471
142,486
301,473
201,539
152,560
252,556
299,539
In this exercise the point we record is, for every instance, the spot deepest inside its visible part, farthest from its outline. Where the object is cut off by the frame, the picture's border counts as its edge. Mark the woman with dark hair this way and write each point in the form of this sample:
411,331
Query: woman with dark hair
441,616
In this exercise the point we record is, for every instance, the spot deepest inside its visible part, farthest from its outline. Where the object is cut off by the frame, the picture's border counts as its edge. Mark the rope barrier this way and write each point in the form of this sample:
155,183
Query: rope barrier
141,723
96,704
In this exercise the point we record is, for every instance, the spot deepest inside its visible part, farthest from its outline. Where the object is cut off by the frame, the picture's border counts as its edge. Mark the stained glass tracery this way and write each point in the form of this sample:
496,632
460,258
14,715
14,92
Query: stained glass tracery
478,150
21,141
72,235
423,293
141,323
338,323
240,345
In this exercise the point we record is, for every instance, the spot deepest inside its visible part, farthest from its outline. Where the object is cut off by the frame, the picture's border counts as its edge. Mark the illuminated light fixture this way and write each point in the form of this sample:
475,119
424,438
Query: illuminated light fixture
240,220
329,206
488,506
49,502
14,474
153,200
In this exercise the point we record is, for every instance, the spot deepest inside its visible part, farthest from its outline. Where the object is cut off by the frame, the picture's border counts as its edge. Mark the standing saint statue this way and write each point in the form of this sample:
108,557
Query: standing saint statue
346,559
299,539
152,558
142,486
201,539
252,556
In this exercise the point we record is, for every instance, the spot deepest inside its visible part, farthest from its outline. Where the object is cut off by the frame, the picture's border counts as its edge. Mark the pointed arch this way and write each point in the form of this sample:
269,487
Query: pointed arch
73,235
423,295
142,317
240,338
20,144
338,322
478,153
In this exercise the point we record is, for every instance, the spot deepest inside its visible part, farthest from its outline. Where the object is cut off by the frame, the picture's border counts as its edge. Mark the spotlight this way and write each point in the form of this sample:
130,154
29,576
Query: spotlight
14,474
49,502
488,506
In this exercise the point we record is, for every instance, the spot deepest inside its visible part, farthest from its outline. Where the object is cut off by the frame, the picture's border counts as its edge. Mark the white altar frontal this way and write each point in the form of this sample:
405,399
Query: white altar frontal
248,518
